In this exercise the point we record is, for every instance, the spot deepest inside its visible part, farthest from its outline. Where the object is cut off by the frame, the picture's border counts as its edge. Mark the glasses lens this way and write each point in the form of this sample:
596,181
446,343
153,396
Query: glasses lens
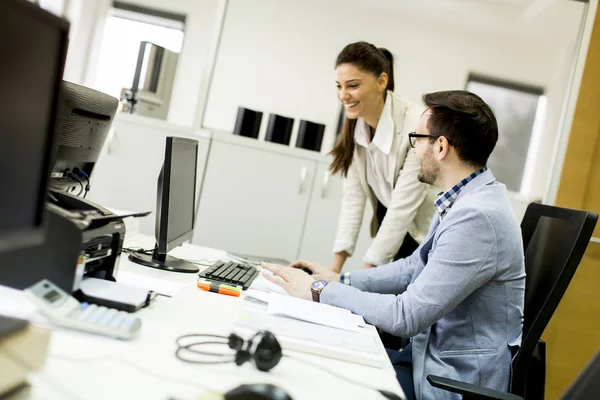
412,141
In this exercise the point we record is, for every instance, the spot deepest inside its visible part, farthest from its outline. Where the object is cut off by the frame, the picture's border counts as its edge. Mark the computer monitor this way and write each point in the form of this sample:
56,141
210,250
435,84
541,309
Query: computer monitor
82,124
33,48
175,206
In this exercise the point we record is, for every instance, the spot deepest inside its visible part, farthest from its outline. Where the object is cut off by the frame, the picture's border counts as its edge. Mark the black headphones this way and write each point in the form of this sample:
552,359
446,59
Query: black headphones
262,348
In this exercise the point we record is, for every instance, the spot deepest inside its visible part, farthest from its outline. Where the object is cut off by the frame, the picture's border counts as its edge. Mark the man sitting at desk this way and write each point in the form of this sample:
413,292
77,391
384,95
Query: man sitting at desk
460,295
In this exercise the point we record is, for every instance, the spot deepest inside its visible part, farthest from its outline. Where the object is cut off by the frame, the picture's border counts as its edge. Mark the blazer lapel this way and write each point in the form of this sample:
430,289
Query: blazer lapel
398,111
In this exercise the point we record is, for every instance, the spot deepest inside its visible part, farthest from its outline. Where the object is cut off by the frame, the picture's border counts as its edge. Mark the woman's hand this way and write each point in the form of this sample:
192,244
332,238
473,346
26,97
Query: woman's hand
338,261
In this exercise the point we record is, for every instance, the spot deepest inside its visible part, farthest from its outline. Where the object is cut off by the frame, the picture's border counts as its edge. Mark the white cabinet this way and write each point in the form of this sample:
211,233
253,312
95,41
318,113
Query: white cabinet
254,198
322,219
126,174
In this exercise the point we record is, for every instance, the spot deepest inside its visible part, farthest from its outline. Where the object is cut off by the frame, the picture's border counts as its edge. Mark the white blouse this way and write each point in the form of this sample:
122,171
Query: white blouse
378,151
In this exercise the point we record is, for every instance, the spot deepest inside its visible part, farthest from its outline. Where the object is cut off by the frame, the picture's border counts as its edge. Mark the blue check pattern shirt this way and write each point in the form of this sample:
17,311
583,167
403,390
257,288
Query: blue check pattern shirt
442,205
445,200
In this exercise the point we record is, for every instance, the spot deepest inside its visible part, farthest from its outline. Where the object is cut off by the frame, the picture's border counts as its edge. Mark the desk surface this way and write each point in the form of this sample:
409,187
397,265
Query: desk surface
85,366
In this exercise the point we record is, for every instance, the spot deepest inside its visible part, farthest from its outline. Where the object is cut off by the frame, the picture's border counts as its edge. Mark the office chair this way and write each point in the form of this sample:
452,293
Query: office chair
554,240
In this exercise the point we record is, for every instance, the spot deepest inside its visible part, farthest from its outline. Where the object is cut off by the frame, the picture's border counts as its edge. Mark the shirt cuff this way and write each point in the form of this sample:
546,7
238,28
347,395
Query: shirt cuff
345,278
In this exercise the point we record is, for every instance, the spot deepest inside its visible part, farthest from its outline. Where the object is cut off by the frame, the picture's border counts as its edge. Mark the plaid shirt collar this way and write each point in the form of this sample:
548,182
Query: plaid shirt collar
445,200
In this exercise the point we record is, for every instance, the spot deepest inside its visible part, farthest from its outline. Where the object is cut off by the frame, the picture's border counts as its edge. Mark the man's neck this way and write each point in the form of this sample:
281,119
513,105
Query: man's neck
456,175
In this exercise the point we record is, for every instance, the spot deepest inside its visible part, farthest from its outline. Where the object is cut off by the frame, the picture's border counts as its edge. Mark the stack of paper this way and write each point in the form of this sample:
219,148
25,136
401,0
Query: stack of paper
310,327
317,313
358,347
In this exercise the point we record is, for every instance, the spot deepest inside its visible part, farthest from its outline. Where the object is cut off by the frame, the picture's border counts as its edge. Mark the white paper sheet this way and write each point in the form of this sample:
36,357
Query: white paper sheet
261,296
261,283
310,311
13,303
160,286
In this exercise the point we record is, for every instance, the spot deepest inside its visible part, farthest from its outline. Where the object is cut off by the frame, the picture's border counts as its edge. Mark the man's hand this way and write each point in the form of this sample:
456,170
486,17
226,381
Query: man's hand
318,272
293,280
366,266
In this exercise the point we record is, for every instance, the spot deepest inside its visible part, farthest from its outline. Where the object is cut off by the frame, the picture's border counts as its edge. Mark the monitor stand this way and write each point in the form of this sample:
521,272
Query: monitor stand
164,262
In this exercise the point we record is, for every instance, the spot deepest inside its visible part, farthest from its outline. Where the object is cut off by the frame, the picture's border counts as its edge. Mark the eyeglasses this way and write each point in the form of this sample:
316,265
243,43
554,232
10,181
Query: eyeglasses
413,136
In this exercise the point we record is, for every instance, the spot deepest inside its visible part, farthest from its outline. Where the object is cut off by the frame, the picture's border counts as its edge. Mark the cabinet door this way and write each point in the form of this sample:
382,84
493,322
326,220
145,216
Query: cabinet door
253,201
322,219
126,174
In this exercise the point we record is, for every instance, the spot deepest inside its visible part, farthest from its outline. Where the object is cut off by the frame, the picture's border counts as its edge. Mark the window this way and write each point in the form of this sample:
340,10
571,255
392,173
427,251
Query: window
54,6
127,26
520,111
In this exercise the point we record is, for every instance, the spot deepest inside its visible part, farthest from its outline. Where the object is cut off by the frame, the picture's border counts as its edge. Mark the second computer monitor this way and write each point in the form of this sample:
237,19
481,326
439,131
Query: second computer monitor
84,118
175,206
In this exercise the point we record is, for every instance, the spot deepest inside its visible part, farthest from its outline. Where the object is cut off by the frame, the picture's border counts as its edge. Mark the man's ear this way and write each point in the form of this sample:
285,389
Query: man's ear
441,148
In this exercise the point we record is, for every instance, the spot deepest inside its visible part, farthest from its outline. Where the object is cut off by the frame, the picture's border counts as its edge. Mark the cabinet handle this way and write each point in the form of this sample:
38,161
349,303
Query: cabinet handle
302,184
326,176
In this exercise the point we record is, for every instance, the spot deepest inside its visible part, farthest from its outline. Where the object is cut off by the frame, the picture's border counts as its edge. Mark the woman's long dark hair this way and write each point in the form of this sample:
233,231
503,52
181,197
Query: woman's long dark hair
370,59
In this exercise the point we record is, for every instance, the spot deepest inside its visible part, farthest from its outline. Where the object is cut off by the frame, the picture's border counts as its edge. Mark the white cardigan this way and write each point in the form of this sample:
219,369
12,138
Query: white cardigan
411,207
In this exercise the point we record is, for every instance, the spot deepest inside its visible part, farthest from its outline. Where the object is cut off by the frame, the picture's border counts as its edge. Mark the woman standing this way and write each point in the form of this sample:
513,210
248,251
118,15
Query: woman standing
374,155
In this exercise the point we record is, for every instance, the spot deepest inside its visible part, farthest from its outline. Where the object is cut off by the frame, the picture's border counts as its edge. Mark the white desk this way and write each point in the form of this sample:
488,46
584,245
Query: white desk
100,368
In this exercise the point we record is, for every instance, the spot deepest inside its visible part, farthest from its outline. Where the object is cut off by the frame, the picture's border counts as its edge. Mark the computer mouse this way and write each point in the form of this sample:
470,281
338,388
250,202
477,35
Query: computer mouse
257,391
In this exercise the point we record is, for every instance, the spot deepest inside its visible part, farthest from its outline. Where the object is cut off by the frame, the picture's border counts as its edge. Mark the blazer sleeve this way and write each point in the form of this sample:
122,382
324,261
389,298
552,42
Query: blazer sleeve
407,197
354,199
391,278
456,268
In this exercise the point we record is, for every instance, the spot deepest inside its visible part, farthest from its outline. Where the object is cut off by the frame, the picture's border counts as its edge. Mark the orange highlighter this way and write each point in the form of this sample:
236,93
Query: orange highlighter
218,288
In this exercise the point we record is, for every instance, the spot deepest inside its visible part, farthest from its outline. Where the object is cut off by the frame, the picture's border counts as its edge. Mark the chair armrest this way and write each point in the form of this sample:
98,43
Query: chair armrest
469,391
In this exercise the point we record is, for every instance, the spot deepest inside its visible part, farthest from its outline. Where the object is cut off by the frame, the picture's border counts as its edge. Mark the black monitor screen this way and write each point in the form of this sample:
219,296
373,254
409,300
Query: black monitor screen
181,192
32,44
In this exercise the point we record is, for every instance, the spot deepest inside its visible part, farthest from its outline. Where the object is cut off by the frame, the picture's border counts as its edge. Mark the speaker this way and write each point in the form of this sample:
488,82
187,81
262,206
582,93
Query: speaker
310,135
247,122
279,129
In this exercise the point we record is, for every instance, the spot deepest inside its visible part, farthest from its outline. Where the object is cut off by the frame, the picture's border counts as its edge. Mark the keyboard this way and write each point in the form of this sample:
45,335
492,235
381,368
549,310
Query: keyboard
230,272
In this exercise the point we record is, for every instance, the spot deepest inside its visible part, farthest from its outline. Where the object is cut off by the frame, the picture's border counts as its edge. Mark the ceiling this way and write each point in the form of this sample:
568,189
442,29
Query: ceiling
556,20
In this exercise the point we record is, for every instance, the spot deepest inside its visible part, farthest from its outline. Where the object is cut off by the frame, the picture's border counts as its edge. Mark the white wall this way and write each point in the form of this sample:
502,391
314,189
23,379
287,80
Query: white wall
277,56
88,19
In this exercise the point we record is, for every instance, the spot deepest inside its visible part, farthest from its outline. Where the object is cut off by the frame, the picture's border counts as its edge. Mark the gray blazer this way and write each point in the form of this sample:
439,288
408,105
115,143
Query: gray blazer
459,296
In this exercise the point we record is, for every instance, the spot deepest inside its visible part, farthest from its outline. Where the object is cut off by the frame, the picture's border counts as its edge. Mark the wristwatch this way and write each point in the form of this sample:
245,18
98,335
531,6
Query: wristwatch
316,287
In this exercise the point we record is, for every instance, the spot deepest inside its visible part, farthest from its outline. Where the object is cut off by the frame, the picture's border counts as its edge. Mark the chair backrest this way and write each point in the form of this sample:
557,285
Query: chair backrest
587,384
554,240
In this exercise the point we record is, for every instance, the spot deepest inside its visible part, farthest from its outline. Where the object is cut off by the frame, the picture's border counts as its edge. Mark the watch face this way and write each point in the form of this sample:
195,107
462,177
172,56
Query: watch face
318,285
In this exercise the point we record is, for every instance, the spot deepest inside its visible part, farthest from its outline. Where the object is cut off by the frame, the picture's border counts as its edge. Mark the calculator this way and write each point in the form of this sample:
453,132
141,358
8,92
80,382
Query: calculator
64,310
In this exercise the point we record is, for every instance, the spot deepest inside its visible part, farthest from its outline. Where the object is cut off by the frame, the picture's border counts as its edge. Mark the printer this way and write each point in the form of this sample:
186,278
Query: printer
82,239
99,234
92,241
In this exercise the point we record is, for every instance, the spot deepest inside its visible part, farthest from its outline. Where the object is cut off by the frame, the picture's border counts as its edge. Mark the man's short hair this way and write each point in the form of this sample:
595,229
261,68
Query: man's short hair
466,121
